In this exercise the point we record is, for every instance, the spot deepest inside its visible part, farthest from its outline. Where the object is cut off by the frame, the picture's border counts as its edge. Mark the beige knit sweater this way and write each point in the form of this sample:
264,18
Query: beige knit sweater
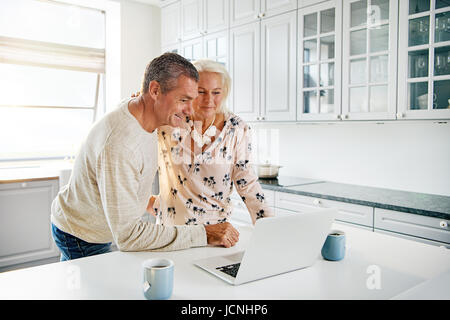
110,187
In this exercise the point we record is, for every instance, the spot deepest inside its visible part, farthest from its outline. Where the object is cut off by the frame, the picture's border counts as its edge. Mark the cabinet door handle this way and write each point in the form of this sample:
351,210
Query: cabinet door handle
443,224
400,115
317,202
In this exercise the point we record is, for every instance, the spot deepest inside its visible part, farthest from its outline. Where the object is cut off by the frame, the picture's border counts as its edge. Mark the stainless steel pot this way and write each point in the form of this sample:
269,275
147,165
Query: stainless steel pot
267,171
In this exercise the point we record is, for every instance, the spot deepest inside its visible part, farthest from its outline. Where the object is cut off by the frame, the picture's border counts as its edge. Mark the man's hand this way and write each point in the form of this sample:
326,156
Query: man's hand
222,234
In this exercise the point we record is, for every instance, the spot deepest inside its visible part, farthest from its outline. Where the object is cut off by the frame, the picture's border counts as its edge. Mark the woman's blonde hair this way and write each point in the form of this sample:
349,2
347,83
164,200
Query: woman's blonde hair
206,65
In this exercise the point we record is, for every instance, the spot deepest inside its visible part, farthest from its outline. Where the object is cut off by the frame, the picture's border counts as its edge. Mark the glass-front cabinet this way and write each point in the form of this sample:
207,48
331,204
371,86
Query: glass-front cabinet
424,60
369,59
319,62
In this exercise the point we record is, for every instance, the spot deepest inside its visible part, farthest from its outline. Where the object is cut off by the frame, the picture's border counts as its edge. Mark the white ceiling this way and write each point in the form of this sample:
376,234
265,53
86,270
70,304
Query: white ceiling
152,2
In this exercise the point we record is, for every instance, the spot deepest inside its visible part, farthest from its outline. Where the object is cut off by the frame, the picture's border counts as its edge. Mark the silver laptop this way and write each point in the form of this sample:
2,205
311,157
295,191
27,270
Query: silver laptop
277,245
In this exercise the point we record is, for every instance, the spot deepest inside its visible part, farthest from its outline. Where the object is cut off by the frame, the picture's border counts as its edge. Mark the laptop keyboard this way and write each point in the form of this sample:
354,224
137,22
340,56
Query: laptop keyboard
231,269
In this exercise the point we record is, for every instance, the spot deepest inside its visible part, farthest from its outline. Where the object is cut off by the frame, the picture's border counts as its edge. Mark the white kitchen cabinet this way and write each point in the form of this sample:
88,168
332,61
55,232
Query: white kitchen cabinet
306,3
240,211
278,67
245,70
269,197
346,212
200,17
193,49
191,19
217,15
262,56
25,228
422,240
424,60
295,202
170,24
215,47
279,212
212,46
244,11
273,7
412,224
319,62
369,59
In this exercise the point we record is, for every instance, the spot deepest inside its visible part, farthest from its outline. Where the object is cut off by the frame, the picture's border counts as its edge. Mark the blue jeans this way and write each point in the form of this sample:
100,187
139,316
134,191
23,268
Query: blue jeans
72,247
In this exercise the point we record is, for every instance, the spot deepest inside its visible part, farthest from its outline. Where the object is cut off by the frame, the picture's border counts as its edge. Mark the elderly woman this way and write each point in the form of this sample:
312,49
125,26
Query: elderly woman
200,165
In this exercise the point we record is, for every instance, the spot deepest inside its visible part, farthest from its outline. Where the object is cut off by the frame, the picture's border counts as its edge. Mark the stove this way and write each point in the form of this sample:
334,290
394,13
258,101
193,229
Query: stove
284,181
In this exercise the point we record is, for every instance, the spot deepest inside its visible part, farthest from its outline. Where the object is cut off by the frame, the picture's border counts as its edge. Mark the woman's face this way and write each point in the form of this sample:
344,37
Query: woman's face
210,95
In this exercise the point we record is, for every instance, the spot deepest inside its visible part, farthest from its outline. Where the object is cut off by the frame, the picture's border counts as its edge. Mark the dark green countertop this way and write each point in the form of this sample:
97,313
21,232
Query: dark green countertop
411,202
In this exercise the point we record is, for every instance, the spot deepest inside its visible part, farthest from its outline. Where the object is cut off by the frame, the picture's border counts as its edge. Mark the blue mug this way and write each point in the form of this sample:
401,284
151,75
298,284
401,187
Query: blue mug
158,278
334,246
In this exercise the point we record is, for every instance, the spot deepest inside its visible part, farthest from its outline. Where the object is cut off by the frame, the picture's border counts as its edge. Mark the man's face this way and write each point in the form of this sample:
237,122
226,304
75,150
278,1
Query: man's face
176,104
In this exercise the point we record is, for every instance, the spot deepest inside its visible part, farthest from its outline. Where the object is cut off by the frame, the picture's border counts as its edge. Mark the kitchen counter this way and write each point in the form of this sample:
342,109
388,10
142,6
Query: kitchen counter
34,172
410,202
376,266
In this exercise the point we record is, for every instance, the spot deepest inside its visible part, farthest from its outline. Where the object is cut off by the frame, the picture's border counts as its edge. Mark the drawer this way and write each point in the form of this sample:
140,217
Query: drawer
269,196
412,224
347,212
295,202
422,240
283,212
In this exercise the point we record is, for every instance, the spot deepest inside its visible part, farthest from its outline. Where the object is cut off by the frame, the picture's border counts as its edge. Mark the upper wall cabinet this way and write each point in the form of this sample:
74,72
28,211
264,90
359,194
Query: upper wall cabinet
170,24
245,70
212,46
245,11
200,17
319,62
278,71
191,19
273,7
424,59
263,56
306,3
217,15
369,59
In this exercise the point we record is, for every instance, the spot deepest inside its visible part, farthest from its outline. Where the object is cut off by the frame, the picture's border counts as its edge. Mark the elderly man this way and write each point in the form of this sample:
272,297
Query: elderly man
110,186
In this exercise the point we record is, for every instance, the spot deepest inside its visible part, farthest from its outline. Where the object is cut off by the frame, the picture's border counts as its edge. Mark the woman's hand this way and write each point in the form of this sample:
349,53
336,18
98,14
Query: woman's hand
222,234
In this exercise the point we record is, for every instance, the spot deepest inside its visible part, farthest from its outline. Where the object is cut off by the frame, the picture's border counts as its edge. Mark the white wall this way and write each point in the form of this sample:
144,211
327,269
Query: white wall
140,42
405,156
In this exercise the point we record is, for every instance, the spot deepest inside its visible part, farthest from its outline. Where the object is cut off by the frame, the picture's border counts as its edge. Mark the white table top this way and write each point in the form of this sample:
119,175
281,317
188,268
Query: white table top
403,264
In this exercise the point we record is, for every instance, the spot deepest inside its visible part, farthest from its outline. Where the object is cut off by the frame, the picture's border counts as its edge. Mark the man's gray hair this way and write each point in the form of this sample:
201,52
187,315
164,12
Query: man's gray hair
166,69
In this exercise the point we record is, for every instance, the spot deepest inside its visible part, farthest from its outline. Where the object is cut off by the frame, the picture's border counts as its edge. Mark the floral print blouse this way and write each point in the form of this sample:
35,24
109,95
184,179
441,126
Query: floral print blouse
198,191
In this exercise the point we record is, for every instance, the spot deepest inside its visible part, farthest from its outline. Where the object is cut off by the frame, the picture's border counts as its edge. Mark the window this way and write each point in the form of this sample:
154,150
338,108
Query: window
52,77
